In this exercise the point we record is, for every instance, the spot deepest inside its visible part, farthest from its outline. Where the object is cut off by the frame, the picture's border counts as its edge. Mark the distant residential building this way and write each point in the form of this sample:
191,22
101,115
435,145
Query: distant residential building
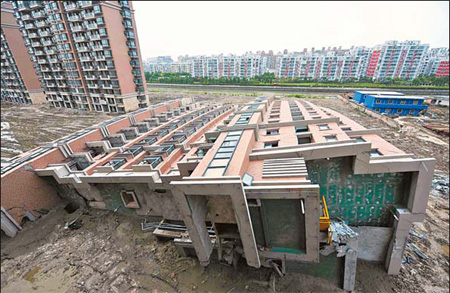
396,59
393,59
435,62
19,82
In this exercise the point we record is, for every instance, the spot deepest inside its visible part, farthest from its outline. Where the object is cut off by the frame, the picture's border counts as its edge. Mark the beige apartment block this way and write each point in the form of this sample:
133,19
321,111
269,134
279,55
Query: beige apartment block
86,53
19,82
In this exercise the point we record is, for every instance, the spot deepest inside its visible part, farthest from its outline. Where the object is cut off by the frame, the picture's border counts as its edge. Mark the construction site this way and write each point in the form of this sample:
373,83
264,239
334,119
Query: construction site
225,192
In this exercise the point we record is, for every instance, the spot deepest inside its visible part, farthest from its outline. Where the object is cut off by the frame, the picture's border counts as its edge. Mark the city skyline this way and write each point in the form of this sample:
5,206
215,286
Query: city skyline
279,27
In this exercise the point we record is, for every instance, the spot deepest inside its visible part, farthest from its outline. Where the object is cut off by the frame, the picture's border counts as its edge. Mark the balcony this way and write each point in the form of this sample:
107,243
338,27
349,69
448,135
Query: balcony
47,43
79,39
50,84
83,49
38,14
33,35
39,53
35,4
92,86
56,69
29,26
102,68
23,7
50,52
97,48
77,28
100,58
107,87
53,60
59,77
90,77
74,17
71,7
45,69
62,85
85,59
87,68
41,23
36,44
94,37
26,17
91,26
107,77
44,33
89,15
85,4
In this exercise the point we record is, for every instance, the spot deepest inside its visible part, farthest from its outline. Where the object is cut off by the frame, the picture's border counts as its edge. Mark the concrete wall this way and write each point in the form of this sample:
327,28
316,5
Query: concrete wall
373,242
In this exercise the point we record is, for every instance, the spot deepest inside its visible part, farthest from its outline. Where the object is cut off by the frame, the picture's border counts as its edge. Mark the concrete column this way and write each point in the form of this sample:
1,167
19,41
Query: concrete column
397,245
244,222
351,258
194,209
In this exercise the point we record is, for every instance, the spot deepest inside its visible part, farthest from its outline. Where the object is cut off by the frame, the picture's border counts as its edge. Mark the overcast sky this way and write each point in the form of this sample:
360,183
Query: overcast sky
207,28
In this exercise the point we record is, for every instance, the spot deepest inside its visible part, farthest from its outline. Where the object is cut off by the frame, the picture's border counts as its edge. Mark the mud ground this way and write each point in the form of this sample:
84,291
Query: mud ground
110,253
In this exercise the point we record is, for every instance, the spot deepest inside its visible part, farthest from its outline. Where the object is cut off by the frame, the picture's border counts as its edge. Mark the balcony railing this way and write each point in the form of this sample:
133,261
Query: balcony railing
97,48
74,18
94,37
71,6
79,39
91,26
82,49
85,58
88,15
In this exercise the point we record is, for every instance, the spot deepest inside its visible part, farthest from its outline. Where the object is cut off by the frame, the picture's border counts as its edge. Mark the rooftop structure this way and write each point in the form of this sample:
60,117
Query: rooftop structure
391,103
86,53
257,182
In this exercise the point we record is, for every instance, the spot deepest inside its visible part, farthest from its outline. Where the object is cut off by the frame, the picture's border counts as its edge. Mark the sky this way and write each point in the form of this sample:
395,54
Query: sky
209,28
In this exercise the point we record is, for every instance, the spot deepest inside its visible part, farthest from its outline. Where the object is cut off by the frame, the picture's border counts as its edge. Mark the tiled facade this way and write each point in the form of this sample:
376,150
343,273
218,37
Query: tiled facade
86,53
250,178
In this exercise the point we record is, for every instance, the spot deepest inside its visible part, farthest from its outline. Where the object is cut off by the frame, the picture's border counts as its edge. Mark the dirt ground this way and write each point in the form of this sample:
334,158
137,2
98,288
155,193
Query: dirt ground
110,253
24,127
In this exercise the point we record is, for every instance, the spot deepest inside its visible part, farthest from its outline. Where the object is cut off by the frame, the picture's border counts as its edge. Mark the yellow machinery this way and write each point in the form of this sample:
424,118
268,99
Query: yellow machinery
324,220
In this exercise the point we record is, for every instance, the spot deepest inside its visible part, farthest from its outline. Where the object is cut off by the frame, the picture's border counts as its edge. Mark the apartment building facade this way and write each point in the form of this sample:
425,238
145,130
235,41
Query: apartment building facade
86,53
252,181
20,83
393,59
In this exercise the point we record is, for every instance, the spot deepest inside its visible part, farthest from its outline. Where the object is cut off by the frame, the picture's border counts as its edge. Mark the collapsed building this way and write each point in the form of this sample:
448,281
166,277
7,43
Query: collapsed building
269,181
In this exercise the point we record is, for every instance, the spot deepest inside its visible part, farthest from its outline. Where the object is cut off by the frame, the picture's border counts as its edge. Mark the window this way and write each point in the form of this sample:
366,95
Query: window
219,162
268,145
391,102
387,111
360,139
378,101
399,111
375,153
324,127
331,138
129,199
411,112
214,172
301,129
272,131
415,102
377,109
346,129
403,102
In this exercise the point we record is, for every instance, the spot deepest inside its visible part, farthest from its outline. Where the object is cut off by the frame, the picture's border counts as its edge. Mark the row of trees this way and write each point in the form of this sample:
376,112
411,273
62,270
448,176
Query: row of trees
269,78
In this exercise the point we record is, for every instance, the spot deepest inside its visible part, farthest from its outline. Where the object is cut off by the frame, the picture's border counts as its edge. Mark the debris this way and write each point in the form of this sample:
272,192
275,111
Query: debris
341,232
417,251
421,236
231,289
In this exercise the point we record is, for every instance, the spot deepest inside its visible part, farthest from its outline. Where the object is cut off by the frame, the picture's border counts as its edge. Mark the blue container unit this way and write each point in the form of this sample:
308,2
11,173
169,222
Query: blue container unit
360,96
396,105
